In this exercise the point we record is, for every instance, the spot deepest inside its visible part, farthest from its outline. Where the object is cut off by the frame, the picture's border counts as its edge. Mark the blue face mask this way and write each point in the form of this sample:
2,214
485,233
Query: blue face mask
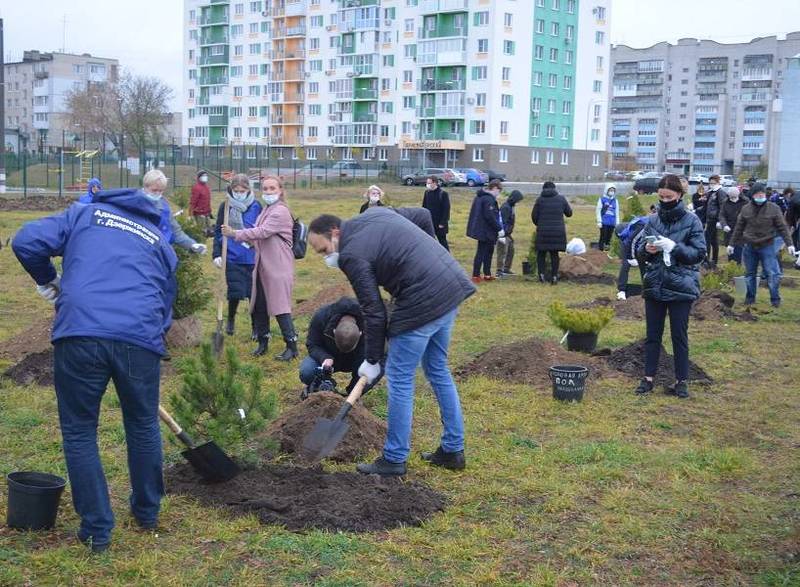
270,199
760,200
152,197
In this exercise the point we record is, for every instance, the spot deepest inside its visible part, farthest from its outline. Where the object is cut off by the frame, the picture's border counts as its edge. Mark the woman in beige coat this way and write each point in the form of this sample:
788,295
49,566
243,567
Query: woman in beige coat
273,275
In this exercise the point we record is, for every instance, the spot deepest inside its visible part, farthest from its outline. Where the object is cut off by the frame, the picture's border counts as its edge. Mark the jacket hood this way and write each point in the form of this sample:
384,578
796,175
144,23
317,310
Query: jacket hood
515,197
549,193
132,200
94,182
611,186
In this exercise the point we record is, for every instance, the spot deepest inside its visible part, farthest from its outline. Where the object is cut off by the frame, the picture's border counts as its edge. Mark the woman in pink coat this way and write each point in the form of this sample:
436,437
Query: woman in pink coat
273,275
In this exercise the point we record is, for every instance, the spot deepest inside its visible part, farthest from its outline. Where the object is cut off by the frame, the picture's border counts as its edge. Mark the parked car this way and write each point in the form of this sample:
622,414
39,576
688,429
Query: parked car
494,175
444,175
635,175
646,185
727,181
698,178
615,175
473,177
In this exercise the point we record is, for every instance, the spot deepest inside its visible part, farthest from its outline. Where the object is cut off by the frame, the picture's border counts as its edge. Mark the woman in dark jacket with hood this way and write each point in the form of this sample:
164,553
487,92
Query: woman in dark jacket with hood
672,247
551,232
484,226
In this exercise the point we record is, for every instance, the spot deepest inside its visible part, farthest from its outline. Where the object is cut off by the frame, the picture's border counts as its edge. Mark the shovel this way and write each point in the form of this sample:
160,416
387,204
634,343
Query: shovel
326,434
208,459
218,339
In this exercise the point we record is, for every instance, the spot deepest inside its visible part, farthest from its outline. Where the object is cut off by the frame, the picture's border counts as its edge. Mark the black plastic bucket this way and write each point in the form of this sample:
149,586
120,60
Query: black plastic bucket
33,500
582,342
526,268
569,382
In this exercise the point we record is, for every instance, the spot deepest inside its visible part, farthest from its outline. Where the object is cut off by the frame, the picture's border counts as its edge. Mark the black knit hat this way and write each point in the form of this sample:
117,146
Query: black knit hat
201,172
757,188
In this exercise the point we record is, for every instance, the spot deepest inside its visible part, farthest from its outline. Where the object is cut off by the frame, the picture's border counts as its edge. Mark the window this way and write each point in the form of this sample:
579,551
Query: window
597,110
538,52
254,91
568,57
564,133
553,54
599,63
255,6
237,92
599,37
237,132
507,101
483,45
567,82
601,12
597,87
480,72
536,105
481,18
534,157
236,112
316,21
503,156
549,158
253,28
508,47
595,135
566,107
478,127
408,76
552,80
315,109
313,88
314,43
554,29
253,132
386,84
238,50
564,157
595,159
556,4
506,74
551,106
408,25
410,51
383,154
551,131
192,15
480,99
508,19
537,129
253,69
252,111
570,33
313,131
255,48
537,78
503,127
408,102
540,26
388,60
477,154
387,107
406,126
540,3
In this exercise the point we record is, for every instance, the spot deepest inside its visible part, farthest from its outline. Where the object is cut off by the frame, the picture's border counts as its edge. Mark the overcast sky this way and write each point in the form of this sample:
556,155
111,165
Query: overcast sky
146,35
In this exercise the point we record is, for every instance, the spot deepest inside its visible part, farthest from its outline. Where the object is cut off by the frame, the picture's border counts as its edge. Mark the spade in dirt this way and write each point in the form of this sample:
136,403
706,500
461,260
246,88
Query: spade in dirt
327,434
217,338
208,459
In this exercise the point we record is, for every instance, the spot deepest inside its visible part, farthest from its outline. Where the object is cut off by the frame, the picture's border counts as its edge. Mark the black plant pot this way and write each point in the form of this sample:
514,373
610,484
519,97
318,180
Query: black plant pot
582,342
526,268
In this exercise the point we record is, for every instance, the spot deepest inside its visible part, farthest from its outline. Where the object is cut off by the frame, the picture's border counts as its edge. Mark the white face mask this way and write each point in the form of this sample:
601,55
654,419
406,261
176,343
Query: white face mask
332,260
374,199
270,199
240,196
152,197
430,187
203,179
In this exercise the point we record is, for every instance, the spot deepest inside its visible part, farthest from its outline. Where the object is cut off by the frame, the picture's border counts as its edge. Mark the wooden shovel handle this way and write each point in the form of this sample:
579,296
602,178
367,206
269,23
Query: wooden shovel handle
355,395
168,420
225,217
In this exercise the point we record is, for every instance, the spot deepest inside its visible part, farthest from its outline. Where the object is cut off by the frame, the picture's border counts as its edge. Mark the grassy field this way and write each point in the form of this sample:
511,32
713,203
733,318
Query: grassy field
617,490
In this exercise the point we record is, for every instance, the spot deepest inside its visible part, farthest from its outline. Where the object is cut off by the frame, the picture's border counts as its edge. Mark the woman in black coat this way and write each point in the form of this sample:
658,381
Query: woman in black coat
551,232
672,247
484,226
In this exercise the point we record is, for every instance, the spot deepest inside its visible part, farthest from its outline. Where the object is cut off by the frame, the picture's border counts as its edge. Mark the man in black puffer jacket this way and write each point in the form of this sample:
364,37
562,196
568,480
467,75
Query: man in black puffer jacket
672,246
484,226
437,202
381,248
548,215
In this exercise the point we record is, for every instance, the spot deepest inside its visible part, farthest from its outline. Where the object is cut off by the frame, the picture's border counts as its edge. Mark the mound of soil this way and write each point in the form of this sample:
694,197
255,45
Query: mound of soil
35,203
365,435
630,309
323,297
585,269
35,339
301,499
713,305
184,333
529,362
34,369
630,361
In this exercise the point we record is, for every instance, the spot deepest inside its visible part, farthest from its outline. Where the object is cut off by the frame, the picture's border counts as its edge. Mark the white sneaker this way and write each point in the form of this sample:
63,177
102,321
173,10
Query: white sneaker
621,295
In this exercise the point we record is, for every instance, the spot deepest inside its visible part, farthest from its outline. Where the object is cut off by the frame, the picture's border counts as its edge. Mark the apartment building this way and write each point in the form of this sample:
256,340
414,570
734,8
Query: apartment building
36,89
784,166
698,106
520,87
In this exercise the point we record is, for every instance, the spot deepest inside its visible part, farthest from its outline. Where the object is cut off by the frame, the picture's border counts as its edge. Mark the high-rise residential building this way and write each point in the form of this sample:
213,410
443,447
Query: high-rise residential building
520,87
698,106
785,156
35,93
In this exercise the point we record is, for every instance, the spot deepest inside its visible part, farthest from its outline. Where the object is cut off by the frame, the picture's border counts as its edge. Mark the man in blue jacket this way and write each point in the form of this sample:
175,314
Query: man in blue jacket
113,306
92,188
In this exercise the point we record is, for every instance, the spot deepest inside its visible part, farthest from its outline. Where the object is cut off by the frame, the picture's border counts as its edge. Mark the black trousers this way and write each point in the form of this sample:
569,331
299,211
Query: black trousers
606,232
442,238
260,313
655,316
712,243
483,258
541,262
622,277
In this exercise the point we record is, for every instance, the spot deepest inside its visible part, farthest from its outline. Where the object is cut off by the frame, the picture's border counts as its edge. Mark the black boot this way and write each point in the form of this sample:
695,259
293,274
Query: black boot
454,461
263,345
289,336
232,307
541,278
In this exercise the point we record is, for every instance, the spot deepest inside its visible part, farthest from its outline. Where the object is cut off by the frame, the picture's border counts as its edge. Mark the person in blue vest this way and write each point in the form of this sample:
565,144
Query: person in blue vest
113,306
92,188
243,211
607,212
154,183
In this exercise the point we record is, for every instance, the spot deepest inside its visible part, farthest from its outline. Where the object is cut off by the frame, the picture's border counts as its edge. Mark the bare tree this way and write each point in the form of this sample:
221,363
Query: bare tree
94,110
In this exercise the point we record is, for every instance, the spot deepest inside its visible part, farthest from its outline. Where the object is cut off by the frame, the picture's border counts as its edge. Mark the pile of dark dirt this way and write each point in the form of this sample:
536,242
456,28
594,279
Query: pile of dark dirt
718,305
323,297
35,203
585,269
302,499
365,435
630,309
34,339
185,333
528,362
630,361
33,369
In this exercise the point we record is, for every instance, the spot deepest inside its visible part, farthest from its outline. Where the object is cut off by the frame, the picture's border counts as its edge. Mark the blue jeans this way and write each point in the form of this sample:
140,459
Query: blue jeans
768,258
427,344
83,367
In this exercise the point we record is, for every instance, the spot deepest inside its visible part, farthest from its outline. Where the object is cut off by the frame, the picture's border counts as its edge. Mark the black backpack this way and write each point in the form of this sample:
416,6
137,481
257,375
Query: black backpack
299,238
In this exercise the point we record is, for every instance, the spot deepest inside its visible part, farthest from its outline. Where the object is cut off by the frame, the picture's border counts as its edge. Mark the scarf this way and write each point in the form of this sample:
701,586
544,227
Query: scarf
237,208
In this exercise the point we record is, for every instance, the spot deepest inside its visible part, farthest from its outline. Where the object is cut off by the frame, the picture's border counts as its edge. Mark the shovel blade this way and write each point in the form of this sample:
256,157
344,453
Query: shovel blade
324,438
217,341
211,462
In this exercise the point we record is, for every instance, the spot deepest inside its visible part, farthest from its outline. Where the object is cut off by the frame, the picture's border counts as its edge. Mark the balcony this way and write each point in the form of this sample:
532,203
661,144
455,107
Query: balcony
212,19
41,75
215,38
440,33
294,97
213,80
206,60
757,97
203,101
365,94
705,127
286,55
431,85
365,117
296,31
450,111
445,52
439,6
295,75
359,24
443,136
756,74
218,120
295,7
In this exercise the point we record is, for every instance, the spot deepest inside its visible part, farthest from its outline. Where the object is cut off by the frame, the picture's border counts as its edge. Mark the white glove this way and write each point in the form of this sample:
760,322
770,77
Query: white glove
599,225
199,248
791,250
719,225
217,262
621,295
50,291
502,240
726,228
369,370
665,244
667,258
729,250
633,262
501,234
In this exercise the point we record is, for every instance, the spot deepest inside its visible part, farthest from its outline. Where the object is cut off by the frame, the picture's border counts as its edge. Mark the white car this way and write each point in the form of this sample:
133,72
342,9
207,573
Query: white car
698,178
727,181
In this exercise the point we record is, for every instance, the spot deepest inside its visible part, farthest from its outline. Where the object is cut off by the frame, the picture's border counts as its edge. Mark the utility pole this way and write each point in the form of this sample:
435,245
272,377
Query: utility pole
64,34
3,115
